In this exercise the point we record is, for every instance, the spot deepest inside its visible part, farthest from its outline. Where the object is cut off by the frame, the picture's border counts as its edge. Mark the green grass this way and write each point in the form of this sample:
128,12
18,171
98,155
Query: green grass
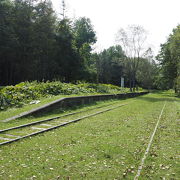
59,112
107,146
25,92
163,161
17,110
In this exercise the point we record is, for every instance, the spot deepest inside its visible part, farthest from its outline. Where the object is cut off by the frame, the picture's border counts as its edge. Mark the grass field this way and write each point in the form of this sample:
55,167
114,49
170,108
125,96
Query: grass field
12,111
107,146
16,110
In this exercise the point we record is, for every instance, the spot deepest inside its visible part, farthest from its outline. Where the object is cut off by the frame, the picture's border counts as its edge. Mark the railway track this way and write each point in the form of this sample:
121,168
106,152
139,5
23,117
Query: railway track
17,133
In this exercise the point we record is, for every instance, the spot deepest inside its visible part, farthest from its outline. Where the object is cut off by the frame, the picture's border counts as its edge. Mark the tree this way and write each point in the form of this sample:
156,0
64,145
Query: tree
36,45
63,9
169,58
67,56
16,36
83,32
8,41
132,41
43,40
146,74
110,65
84,38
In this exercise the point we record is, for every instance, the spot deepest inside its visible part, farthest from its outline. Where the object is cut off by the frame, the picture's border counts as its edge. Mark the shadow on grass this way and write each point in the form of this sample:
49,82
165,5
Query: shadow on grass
61,110
165,96
154,99
166,93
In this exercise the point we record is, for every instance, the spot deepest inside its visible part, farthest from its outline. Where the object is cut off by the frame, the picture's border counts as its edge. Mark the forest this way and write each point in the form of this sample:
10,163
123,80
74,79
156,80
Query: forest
37,44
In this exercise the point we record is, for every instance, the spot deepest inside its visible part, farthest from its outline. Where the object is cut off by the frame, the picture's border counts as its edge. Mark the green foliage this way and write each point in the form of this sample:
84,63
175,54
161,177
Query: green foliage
104,88
36,45
84,38
84,32
24,92
170,60
146,74
110,65
177,86
66,59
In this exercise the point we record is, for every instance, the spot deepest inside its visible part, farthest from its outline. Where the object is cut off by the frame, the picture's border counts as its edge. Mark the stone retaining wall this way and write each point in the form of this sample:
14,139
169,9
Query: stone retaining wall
74,101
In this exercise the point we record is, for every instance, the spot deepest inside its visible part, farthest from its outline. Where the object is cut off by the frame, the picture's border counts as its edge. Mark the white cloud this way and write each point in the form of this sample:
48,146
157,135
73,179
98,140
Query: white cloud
159,17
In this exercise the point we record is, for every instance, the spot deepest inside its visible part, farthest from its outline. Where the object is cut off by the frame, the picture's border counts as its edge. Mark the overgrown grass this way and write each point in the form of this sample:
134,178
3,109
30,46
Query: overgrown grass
17,99
163,160
17,110
25,92
59,112
108,146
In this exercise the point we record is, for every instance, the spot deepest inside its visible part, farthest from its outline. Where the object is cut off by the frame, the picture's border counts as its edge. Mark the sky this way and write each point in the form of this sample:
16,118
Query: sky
158,17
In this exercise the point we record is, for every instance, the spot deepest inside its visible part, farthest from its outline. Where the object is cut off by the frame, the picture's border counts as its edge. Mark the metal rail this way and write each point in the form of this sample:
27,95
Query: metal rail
50,119
55,127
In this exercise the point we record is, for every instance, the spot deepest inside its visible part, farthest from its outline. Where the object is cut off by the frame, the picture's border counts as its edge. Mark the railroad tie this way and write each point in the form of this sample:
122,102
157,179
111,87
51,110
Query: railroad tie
11,135
49,125
36,128
7,139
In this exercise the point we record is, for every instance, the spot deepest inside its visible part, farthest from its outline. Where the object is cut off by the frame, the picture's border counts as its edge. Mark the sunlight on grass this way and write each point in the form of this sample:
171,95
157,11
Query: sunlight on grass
107,146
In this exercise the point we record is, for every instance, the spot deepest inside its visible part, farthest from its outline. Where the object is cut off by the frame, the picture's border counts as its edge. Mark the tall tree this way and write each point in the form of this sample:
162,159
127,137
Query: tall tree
169,58
132,41
84,38
15,34
146,74
23,28
63,9
36,45
67,57
7,40
43,40
83,32
110,65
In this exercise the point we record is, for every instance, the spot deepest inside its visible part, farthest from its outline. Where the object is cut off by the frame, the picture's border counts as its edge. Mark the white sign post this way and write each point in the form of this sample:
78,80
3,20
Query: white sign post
122,82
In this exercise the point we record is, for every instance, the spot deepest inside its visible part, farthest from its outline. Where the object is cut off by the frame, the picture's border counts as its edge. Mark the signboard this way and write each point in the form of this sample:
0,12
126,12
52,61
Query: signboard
122,82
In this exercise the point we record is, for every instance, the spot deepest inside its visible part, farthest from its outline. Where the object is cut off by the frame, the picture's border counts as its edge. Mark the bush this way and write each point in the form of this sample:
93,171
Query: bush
25,92
177,86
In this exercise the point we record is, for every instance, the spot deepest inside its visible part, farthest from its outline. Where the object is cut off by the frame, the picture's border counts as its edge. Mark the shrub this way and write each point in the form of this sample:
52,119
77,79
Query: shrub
25,92
177,86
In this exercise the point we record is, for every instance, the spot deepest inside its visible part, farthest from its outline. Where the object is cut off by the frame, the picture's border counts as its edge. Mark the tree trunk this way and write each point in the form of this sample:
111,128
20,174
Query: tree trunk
133,83
130,84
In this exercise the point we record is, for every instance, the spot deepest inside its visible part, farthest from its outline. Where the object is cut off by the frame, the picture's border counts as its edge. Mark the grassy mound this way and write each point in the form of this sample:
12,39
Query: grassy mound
25,92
